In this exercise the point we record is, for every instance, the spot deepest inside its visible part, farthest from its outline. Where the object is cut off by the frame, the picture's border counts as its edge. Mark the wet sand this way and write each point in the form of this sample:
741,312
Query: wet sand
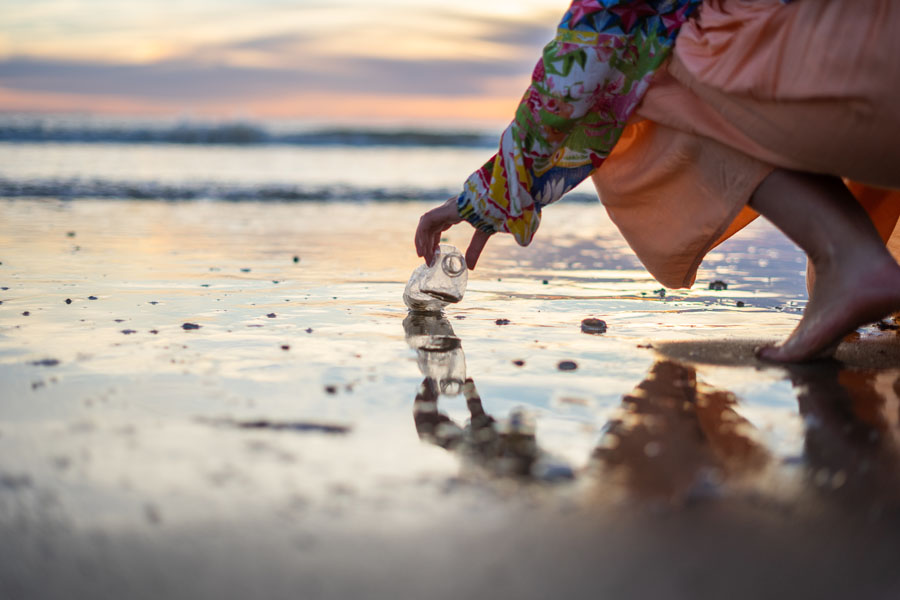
311,439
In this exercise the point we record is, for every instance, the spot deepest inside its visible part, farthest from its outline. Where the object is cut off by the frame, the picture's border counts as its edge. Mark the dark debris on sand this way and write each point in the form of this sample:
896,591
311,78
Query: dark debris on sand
567,365
593,326
187,326
46,362
718,285
297,426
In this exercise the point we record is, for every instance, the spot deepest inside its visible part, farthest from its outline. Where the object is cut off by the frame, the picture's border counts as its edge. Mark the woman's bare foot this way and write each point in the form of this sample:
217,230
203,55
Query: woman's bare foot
857,280
844,297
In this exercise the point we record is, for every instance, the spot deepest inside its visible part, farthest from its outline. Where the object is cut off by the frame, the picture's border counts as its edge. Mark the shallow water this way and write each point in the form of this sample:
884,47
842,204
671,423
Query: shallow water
322,434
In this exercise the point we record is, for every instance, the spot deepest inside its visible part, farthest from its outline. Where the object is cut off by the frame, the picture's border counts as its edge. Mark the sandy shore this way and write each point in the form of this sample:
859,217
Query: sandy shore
228,400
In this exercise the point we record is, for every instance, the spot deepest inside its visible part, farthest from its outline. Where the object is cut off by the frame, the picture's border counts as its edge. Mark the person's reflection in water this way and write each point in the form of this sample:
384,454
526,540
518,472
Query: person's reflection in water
507,448
675,439
851,448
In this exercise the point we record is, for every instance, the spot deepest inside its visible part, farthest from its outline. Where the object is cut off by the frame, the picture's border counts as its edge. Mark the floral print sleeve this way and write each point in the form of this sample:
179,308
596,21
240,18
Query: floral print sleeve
589,80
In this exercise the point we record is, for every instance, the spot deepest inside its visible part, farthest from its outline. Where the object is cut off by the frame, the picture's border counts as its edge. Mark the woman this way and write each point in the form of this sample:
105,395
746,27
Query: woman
692,118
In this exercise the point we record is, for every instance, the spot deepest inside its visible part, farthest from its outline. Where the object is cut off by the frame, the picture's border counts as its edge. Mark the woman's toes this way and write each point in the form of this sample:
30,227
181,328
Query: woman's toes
769,352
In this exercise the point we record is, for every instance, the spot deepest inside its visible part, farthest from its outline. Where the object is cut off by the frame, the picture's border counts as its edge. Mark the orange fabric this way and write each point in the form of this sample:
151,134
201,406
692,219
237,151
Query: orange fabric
754,85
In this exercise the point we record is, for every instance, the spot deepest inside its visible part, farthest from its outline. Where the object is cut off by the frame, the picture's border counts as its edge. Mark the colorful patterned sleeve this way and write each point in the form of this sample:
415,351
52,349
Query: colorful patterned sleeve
589,80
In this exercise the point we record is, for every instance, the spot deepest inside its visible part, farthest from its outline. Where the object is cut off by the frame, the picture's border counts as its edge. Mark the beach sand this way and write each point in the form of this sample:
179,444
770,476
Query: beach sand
208,400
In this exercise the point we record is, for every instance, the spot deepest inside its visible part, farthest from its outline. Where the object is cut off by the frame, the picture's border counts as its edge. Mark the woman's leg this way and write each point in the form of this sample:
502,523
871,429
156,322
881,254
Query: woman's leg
857,280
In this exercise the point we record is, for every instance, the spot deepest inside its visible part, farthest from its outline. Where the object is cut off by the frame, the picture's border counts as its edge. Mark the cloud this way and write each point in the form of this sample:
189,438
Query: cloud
192,80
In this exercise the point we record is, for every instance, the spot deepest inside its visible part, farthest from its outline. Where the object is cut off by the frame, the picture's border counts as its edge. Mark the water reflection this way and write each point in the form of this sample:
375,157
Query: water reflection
852,420
675,438
504,448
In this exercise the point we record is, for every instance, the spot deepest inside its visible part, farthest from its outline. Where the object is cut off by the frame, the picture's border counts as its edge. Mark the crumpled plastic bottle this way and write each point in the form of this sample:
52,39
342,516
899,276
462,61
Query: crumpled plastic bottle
432,288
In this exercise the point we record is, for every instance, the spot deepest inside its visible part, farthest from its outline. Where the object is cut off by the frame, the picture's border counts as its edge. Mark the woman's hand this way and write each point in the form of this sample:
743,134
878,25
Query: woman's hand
438,220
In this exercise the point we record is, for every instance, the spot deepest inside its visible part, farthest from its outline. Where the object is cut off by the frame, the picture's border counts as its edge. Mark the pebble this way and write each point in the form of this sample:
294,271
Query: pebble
567,365
502,321
68,301
519,362
309,330
593,326
26,313
739,303
190,326
296,259
271,315
128,331
92,297
285,347
330,389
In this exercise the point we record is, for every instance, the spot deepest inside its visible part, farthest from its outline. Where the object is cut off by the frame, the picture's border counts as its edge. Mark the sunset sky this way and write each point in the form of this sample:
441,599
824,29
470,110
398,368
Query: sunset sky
413,60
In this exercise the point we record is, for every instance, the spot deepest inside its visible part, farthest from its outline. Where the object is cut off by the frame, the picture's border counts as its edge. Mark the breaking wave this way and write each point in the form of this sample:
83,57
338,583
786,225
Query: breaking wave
76,188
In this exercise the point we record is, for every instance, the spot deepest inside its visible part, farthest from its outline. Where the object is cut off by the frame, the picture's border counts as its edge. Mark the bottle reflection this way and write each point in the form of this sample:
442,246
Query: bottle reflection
506,448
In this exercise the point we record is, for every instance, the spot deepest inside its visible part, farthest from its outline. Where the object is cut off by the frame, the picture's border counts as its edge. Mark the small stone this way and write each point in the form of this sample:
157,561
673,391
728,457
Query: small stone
128,331
245,270
187,326
567,365
70,234
296,259
119,320
545,282
330,389
593,326
718,285
502,321
285,347
154,331
68,301
92,297
271,315
153,302
519,362
309,330
26,313
739,303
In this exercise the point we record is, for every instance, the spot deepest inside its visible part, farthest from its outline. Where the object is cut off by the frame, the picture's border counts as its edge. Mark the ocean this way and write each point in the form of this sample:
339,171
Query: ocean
178,159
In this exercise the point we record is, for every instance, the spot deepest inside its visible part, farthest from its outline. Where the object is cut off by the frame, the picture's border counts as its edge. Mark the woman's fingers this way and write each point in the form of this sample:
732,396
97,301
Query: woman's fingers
479,239
431,225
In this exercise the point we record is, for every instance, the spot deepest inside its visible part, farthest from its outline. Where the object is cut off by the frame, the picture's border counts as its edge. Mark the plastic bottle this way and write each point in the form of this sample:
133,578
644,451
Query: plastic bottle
432,288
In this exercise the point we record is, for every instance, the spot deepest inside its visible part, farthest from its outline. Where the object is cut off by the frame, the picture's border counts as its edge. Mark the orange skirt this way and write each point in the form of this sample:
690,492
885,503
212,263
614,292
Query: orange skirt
753,85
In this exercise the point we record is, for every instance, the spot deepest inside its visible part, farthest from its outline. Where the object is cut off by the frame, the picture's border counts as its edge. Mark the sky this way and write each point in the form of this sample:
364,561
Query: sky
330,60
